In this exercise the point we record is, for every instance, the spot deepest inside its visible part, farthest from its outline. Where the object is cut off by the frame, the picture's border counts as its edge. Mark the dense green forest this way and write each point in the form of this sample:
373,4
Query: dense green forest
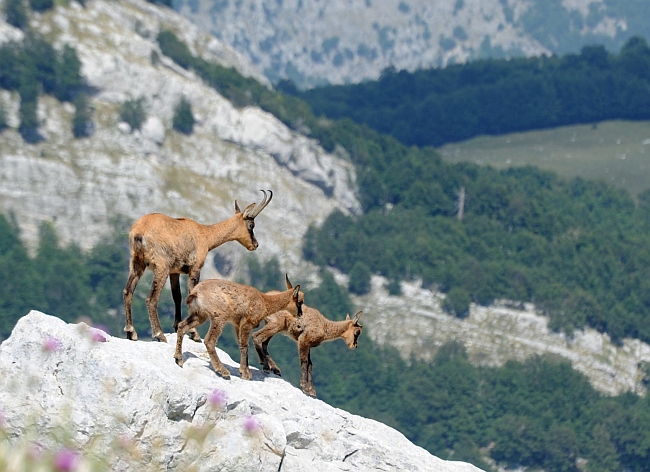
575,248
437,106
539,414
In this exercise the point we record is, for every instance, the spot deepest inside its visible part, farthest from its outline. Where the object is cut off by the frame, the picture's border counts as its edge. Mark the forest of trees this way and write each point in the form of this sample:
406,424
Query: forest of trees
539,414
437,106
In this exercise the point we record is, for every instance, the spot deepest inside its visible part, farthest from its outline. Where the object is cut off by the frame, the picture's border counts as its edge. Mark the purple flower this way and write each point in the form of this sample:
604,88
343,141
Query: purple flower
251,425
217,398
97,336
66,460
51,344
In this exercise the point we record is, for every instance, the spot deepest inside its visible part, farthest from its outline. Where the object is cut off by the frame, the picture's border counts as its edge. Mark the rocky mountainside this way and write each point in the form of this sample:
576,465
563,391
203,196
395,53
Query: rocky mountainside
312,42
82,184
124,405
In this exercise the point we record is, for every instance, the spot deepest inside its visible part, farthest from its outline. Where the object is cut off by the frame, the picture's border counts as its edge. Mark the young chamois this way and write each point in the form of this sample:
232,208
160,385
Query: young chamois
241,305
309,330
174,246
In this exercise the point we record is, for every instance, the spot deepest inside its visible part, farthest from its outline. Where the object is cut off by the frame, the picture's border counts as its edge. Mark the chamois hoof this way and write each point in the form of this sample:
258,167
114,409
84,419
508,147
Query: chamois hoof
179,362
194,336
160,337
131,334
224,374
310,392
246,375
276,370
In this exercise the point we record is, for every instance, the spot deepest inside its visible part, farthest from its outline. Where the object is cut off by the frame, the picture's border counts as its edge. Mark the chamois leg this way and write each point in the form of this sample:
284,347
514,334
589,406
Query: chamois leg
159,277
135,272
303,352
242,336
311,391
261,341
216,327
192,321
192,280
174,281
175,284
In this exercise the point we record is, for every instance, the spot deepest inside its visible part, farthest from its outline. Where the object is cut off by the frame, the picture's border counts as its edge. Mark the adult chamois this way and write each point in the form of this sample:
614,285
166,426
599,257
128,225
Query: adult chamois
241,305
173,246
309,330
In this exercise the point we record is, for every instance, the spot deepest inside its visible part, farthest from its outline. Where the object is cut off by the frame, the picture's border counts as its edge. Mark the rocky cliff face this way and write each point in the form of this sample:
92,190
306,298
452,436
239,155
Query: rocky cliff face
124,405
417,326
81,184
313,42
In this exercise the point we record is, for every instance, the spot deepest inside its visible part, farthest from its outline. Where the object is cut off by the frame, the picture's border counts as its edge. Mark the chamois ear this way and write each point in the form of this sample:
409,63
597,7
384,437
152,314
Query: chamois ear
356,317
237,210
289,286
347,317
296,291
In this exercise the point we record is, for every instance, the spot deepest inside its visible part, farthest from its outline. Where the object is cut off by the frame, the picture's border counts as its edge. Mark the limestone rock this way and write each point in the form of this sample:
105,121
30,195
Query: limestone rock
129,403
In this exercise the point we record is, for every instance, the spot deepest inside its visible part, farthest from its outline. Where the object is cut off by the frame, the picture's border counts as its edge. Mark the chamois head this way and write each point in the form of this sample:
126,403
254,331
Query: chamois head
246,237
297,297
351,335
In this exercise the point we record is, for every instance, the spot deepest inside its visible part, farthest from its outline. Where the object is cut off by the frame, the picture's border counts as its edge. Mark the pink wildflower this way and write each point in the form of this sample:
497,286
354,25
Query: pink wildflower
97,336
218,398
251,425
66,460
51,344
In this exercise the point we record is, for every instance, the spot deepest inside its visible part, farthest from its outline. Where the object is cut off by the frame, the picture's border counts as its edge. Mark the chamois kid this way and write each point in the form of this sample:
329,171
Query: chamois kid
241,305
309,330
174,246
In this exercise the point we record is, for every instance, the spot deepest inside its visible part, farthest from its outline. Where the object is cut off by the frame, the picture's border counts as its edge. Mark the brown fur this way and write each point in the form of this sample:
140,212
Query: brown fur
309,330
174,246
241,305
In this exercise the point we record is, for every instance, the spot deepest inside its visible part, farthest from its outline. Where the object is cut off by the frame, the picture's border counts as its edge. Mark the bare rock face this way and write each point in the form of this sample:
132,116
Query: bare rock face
313,43
80,185
128,405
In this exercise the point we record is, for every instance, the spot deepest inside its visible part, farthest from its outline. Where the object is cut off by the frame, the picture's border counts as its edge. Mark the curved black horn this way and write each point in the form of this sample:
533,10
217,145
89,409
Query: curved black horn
258,208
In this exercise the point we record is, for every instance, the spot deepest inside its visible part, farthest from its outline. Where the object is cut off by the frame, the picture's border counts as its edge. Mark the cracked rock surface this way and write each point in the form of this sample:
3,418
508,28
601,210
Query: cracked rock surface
130,402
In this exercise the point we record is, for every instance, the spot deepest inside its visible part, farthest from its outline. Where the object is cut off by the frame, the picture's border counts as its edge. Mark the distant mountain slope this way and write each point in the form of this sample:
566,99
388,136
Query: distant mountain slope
312,42
81,184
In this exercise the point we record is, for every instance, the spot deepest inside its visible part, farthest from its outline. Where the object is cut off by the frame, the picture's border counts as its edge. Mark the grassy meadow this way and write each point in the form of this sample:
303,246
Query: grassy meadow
617,152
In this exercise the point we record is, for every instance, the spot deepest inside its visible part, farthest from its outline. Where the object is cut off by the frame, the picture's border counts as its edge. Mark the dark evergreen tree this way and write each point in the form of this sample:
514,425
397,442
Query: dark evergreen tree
82,124
183,120
359,278
41,5
133,112
67,74
28,91
16,13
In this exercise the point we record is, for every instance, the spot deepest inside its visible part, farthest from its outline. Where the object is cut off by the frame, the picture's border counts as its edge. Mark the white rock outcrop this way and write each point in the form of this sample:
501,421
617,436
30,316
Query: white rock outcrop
130,405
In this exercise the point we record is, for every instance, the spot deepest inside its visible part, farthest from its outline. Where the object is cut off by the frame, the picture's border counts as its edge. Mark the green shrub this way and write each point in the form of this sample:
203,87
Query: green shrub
457,302
360,279
41,5
82,124
183,118
16,13
133,112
